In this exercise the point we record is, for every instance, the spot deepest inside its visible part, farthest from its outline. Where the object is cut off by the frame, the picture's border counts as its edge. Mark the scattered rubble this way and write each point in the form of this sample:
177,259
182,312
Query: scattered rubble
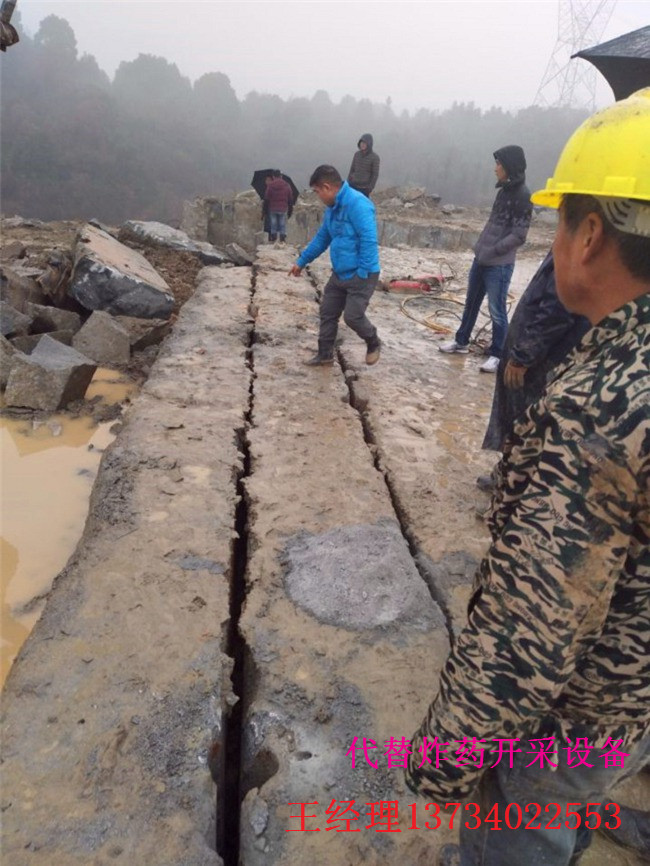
112,277
45,319
7,352
19,290
13,323
51,377
29,342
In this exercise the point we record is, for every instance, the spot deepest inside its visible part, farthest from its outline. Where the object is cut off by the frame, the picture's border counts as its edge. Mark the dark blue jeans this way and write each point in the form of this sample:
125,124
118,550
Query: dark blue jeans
521,785
278,221
494,281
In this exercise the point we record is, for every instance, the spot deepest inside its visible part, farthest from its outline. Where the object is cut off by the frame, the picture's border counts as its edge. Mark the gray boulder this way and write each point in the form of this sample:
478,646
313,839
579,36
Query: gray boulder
161,235
238,255
13,322
104,340
50,378
46,319
111,277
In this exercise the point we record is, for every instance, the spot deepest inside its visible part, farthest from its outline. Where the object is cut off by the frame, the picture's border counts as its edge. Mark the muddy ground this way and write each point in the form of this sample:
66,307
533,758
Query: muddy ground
313,530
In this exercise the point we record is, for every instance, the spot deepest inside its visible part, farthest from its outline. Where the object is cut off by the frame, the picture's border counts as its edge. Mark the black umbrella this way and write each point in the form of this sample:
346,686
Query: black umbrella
259,182
624,61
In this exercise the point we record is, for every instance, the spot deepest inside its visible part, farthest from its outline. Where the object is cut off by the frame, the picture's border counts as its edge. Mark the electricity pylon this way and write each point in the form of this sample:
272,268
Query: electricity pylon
566,82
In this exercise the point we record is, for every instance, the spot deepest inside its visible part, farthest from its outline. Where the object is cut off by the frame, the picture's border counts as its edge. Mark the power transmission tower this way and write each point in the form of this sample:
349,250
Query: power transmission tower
566,82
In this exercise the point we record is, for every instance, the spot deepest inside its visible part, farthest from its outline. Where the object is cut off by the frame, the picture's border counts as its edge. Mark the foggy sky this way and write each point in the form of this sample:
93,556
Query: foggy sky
420,54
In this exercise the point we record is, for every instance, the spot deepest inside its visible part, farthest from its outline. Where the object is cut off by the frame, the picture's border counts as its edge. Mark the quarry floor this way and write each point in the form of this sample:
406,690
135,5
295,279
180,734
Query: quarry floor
274,562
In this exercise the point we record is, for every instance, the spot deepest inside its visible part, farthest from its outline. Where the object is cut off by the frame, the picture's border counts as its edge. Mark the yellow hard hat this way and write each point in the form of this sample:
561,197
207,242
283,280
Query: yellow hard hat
609,155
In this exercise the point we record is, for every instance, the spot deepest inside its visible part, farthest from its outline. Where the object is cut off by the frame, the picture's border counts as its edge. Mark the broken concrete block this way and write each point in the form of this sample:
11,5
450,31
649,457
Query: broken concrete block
7,352
13,322
50,378
161,235
104,340
238,255
47,319
12,250
109,276
144,332
28,343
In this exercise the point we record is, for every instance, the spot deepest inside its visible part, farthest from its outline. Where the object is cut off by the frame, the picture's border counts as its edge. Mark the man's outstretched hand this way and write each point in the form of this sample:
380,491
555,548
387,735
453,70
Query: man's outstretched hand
295,271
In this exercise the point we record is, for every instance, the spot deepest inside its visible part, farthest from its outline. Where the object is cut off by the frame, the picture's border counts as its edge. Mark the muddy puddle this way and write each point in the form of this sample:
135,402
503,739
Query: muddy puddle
47,470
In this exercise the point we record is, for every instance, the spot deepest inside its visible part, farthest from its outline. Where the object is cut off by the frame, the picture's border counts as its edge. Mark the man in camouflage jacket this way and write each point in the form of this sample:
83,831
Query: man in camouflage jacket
557,643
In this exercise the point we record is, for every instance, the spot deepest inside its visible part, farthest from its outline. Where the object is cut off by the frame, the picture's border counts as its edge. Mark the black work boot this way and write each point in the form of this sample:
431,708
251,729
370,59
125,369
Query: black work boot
373,352
319,361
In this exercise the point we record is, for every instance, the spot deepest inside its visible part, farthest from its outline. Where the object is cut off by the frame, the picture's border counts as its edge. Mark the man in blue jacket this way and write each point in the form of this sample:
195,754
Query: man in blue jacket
349,229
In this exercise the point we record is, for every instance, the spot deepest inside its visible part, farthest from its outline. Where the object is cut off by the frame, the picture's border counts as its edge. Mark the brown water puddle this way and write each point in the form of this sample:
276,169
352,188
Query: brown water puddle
47,472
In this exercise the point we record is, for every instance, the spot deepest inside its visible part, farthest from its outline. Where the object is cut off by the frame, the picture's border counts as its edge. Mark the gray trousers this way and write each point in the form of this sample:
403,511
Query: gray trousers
350,297
554,792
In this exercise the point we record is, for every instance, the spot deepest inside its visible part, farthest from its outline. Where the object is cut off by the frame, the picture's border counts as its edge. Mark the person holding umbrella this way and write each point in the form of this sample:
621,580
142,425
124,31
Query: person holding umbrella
349,229
262,179
278,198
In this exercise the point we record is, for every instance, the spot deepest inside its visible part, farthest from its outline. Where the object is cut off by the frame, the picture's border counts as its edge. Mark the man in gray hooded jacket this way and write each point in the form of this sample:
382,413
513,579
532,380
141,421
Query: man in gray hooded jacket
364,170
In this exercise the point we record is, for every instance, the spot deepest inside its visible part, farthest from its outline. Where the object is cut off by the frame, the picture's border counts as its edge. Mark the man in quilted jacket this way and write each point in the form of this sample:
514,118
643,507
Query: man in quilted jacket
494,255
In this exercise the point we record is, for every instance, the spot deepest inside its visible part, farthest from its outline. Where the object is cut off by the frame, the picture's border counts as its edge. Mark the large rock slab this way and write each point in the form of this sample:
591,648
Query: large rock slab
161,235
111,710
104,340
336,612
109,276
46,319
50,378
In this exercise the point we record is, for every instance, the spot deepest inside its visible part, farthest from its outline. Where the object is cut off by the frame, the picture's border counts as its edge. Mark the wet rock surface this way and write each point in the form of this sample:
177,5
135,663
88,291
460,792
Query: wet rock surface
355,480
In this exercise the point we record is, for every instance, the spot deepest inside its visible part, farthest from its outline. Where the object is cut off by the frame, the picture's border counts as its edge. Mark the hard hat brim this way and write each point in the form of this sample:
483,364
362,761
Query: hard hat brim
547,198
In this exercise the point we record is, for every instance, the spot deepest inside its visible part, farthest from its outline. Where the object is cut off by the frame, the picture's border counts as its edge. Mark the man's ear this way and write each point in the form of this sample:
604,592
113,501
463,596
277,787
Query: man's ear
593,237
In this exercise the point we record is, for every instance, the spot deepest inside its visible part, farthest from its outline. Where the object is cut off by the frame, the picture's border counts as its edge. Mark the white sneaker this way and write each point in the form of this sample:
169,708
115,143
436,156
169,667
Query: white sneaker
453,348
490,366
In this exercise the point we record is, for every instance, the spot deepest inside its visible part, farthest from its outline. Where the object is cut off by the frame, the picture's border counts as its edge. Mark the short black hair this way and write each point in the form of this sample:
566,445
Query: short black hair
276,172
325,174
634,250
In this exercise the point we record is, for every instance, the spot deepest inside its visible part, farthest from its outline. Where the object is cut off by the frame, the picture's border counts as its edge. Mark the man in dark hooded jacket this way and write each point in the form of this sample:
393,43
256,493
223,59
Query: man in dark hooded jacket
494,255
541,335
364,170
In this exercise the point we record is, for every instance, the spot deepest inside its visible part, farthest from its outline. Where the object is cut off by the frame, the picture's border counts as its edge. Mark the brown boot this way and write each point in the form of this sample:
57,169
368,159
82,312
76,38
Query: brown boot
373,353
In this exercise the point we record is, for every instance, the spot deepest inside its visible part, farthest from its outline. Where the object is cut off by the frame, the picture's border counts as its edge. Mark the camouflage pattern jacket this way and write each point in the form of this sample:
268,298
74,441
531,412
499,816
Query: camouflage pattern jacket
558,629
